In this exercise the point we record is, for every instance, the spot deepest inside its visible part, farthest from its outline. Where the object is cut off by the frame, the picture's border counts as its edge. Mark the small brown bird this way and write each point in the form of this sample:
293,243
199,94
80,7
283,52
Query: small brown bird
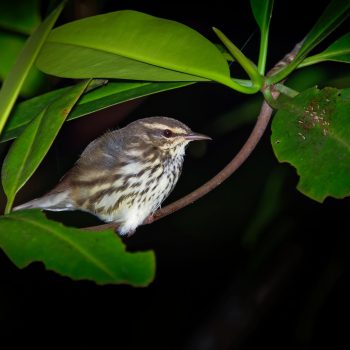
125,175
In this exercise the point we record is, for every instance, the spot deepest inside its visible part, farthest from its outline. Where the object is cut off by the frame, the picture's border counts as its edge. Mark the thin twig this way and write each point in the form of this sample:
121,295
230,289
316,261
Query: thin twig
252,141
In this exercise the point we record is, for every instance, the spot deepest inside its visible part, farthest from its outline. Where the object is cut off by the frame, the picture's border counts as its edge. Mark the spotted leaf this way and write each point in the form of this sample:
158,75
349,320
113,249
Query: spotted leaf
312,132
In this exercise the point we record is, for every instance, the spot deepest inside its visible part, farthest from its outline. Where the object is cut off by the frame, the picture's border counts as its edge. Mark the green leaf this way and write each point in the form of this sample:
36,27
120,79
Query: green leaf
27,236
14,44
339,51
248,87
15,79
228,57
313,134
335,13
27,152
111,94
20,16
132,45
262,11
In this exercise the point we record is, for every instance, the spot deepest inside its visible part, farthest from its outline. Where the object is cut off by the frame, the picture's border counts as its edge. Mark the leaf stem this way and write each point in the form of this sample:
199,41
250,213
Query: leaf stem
268,95
235,84
9,204
249,67
285,90
264,39
262,11
283,73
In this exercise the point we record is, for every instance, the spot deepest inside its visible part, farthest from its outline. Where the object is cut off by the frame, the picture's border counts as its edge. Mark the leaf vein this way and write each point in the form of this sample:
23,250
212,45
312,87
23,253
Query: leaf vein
69,242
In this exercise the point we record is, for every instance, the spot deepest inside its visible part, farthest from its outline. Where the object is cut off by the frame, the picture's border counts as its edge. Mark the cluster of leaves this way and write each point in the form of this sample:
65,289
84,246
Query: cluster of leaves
157,55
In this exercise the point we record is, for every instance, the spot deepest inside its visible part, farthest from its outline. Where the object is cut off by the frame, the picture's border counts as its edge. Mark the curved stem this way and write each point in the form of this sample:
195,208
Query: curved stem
285,90
252,141
227,171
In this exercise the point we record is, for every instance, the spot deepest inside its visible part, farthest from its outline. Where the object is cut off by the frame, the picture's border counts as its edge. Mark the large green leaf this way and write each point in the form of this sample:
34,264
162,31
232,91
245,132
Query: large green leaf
262,11
339,51
313,134
111,94
132,45
27,152
335,13
20,70
27,236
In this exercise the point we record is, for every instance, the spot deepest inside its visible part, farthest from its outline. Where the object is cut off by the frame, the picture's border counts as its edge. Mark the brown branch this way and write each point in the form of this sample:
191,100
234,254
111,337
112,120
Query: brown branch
252,141
227,171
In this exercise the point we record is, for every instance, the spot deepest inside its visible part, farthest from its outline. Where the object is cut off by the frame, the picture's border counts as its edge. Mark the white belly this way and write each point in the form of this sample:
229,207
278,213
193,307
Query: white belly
152,189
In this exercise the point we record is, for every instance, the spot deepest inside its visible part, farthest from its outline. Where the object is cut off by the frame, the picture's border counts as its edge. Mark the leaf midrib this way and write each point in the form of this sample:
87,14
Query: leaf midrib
27,153
67,241
176,68
327,55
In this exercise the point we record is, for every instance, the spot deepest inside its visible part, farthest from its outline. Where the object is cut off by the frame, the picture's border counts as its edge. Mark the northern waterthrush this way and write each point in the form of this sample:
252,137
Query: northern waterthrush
125,175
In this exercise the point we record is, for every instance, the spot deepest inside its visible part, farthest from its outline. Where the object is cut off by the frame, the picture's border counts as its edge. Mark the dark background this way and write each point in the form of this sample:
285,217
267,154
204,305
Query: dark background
253,264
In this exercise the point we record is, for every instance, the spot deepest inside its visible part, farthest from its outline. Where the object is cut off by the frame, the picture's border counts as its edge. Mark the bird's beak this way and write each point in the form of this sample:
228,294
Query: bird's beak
193,136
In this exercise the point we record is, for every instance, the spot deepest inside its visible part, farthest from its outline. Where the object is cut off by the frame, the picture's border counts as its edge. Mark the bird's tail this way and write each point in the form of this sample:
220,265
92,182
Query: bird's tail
57,201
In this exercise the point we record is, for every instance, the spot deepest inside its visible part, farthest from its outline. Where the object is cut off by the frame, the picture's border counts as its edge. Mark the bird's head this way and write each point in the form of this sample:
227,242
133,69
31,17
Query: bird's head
164,133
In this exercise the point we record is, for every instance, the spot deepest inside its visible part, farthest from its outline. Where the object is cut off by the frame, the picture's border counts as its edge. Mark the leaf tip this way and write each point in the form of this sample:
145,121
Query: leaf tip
217,31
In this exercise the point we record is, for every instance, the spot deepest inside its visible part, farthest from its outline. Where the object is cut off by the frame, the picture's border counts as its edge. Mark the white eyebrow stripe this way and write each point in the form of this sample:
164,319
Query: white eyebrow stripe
175,130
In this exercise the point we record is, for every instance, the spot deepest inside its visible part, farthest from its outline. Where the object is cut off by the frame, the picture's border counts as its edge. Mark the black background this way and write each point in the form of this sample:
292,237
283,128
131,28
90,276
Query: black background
287,289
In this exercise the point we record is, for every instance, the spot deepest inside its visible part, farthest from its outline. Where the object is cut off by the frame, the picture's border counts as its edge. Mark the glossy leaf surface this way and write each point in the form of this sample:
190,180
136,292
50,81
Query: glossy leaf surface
27,152
339,51
132,45
28,236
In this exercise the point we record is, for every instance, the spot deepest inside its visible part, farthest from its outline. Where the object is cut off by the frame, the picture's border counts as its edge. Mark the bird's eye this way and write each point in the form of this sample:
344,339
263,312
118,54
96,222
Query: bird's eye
167,133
